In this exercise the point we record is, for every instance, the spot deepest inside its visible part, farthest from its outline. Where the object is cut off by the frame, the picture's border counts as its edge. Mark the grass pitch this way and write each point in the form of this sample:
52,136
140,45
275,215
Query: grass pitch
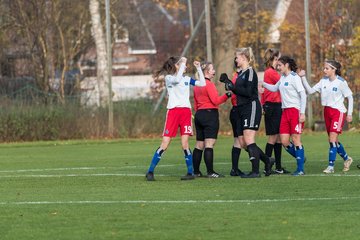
97,190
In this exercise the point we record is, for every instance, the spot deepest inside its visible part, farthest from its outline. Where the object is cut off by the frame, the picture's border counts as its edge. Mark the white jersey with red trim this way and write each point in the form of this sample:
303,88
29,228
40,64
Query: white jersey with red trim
290,87
333,92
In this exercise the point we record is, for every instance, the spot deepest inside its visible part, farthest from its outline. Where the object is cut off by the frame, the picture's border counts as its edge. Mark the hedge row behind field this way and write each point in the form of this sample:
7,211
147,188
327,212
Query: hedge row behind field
132,119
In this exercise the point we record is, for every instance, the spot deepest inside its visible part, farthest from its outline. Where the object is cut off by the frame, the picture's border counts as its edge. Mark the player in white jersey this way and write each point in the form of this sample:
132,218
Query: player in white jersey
333,89
293,103
179,111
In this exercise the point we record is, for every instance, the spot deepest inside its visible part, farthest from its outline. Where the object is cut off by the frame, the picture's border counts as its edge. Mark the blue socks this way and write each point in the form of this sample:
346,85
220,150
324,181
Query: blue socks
155,160
341,151
189,161
291,149
332,154
157,156
299,152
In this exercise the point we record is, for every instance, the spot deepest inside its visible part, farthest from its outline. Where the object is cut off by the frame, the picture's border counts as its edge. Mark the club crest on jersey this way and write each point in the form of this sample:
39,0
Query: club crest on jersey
334,89
186,83
286,84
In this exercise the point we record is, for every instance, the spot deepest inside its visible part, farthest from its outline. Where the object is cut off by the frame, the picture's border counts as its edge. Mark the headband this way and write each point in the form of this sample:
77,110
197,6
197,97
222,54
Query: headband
331,65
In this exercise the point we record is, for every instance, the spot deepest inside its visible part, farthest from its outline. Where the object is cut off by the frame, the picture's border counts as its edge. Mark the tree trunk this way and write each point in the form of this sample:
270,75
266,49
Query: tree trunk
98,35
226,35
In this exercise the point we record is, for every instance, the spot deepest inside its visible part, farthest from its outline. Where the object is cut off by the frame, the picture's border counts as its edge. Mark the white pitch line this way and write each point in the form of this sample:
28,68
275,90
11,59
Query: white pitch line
246,201
143,174
51,169
76,175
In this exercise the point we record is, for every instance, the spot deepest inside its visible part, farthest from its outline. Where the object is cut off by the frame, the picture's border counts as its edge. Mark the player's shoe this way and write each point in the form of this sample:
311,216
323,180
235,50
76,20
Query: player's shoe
188,176
198,174
358,166
347,164
215,175
268,165
281,171
298,173
329,169
150,176
251,175
236,172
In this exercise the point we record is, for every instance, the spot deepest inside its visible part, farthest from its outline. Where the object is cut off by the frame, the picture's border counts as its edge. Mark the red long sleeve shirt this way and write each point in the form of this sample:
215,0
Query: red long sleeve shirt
207,97
271,76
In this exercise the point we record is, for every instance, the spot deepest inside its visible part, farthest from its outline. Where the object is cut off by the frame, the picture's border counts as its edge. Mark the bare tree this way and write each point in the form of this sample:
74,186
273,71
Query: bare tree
98,35
50,34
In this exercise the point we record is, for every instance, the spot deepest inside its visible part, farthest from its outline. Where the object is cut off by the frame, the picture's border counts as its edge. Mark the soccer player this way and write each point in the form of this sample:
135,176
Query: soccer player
271,102
206,104
293,103
179,111
239,142
333,89
248,108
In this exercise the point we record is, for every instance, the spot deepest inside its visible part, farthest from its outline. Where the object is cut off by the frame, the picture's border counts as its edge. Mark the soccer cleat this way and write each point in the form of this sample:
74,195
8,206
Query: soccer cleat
268,165
298,173
347,164
215,175
150,176
329,169
251,175
358,166
198,174
188,176
236,172
281,171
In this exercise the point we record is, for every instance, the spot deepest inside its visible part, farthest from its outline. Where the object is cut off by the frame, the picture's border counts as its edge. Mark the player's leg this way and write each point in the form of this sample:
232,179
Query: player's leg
186,131
200,144
299,153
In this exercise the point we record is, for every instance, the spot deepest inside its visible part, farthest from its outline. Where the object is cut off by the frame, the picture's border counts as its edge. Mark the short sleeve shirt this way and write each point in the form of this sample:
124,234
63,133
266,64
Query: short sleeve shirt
333,92
290,88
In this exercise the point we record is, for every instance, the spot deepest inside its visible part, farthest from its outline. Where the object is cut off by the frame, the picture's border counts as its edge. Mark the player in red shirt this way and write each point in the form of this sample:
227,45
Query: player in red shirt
271,102
206,102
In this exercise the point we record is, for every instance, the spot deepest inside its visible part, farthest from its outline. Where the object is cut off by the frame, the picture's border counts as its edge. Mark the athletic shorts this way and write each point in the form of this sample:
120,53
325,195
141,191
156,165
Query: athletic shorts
290,122
273,113
233,117
178,118
334,120
249,117
206,124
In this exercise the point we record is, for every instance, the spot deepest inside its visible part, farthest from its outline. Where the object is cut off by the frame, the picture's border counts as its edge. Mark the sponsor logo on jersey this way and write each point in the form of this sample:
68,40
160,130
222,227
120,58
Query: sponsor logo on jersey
286,84
334,89
186,83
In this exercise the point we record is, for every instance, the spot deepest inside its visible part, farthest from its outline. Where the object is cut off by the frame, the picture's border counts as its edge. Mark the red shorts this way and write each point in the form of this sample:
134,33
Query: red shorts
175,118
334,120
289,123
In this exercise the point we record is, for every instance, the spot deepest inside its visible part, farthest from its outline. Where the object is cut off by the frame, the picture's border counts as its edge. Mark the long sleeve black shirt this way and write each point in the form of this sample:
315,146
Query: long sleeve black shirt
246,87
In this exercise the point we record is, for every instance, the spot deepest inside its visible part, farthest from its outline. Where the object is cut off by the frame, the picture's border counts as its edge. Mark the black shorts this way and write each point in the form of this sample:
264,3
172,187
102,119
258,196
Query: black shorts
233,118
206,124
249,117
273,113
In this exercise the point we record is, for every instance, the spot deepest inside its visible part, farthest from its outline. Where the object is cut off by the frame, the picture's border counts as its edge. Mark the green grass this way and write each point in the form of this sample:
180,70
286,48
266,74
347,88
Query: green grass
97,190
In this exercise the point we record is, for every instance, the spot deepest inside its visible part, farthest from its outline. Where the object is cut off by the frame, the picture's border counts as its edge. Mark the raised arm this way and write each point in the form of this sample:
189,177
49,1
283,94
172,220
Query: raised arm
201,81
306,84
177,78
